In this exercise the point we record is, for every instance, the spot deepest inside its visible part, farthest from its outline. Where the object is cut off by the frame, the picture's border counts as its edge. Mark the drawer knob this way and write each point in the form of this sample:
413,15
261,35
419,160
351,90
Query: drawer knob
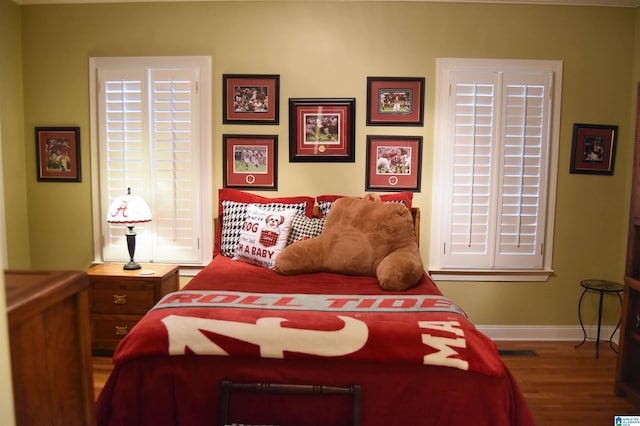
122,330
120,299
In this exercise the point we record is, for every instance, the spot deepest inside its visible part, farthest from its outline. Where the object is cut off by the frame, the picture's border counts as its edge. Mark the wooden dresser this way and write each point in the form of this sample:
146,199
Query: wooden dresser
49,335
119,298
628,366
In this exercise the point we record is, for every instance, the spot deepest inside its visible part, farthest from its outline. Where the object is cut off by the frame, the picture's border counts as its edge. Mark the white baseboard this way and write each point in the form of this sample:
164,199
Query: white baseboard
546,333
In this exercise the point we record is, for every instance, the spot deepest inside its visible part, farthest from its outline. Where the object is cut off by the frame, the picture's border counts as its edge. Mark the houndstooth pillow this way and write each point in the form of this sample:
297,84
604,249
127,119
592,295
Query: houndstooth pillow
304,228
235,195
233,218
326,201
324,207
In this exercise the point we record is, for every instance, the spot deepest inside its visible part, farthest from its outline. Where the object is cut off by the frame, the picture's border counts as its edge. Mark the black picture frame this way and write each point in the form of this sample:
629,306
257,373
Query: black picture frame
242,93
58,154
250,162
322,129
593,149
395,101
394,163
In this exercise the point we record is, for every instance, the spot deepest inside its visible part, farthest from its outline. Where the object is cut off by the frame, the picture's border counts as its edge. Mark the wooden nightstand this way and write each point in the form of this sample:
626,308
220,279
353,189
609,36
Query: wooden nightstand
120,298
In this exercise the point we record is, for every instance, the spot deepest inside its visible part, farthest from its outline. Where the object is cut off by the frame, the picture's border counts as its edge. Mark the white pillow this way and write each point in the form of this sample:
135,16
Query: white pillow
263,235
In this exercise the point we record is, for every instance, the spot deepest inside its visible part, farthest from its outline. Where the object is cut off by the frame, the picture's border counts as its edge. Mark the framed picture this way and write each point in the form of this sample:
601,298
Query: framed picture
394,163
322,130
594,149
250,99
395,101
58,154
250,162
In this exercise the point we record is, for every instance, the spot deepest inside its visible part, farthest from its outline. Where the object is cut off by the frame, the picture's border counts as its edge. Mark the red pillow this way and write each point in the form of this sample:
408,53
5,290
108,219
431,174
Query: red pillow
406,198
228,194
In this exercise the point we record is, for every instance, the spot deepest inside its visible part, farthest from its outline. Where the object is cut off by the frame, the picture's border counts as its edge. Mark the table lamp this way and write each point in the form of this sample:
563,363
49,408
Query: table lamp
129,209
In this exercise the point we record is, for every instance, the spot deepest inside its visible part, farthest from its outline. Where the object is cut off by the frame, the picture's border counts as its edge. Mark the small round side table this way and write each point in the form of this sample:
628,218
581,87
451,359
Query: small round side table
602,287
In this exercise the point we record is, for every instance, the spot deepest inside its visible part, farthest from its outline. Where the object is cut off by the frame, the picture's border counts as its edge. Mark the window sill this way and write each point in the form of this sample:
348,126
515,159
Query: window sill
489,275
190,271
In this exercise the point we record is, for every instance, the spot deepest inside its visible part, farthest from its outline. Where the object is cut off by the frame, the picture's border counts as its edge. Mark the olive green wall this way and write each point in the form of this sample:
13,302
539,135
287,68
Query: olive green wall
326,49
11,143
12,136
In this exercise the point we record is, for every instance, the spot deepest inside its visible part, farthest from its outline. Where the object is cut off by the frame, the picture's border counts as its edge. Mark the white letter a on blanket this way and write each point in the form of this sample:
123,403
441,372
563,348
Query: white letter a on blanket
444,345
267,333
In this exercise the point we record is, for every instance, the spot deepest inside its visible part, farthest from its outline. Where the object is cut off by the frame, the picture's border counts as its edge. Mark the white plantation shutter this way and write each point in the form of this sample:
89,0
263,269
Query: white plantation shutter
522,196
473,130
122,154
149,131
492,193
174,164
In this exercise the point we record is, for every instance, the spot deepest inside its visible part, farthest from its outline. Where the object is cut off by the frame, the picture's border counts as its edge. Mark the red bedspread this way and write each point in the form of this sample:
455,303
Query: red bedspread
415,354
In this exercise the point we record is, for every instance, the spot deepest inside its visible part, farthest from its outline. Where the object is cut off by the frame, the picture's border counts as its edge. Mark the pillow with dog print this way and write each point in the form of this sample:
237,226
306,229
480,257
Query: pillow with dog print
263,235
232,209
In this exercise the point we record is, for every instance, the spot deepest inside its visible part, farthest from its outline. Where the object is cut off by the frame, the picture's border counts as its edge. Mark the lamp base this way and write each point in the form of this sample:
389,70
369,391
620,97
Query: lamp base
131,245
131,266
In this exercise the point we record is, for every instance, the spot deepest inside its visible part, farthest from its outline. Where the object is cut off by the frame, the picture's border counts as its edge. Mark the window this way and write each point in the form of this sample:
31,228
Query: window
151,132
496,144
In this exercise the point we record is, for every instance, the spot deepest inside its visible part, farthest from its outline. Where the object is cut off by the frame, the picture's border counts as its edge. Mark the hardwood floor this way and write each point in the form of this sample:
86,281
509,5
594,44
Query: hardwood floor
567,386
562,385
102,367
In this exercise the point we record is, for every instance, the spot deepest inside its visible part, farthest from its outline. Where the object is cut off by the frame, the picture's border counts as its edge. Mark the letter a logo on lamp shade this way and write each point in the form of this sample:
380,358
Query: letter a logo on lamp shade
129,209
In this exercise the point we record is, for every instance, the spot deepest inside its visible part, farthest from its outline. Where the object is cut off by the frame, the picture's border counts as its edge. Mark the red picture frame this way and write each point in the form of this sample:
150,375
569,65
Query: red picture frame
395,101
251,99
58,154
593,149
394,163
322,130
250,162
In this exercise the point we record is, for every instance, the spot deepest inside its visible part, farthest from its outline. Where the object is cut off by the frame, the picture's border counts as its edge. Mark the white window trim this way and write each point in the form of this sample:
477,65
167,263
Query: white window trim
206,191
436,271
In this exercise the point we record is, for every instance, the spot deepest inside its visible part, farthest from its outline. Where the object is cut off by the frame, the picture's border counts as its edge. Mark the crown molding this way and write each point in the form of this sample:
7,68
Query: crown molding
600,3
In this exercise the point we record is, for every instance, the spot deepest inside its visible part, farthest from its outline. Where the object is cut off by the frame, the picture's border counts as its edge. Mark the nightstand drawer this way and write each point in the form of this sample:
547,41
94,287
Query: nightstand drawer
130,299
119,298
108,330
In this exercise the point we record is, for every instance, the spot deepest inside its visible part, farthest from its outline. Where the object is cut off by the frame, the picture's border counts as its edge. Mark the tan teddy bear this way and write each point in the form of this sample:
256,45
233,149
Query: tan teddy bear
361,236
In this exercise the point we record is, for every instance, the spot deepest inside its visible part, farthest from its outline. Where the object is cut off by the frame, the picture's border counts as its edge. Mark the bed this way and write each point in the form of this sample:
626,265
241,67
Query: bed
313,349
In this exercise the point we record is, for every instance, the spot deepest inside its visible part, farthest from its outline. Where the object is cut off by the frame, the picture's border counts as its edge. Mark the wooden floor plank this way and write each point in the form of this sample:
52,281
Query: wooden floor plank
568,386
102,367
563,386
